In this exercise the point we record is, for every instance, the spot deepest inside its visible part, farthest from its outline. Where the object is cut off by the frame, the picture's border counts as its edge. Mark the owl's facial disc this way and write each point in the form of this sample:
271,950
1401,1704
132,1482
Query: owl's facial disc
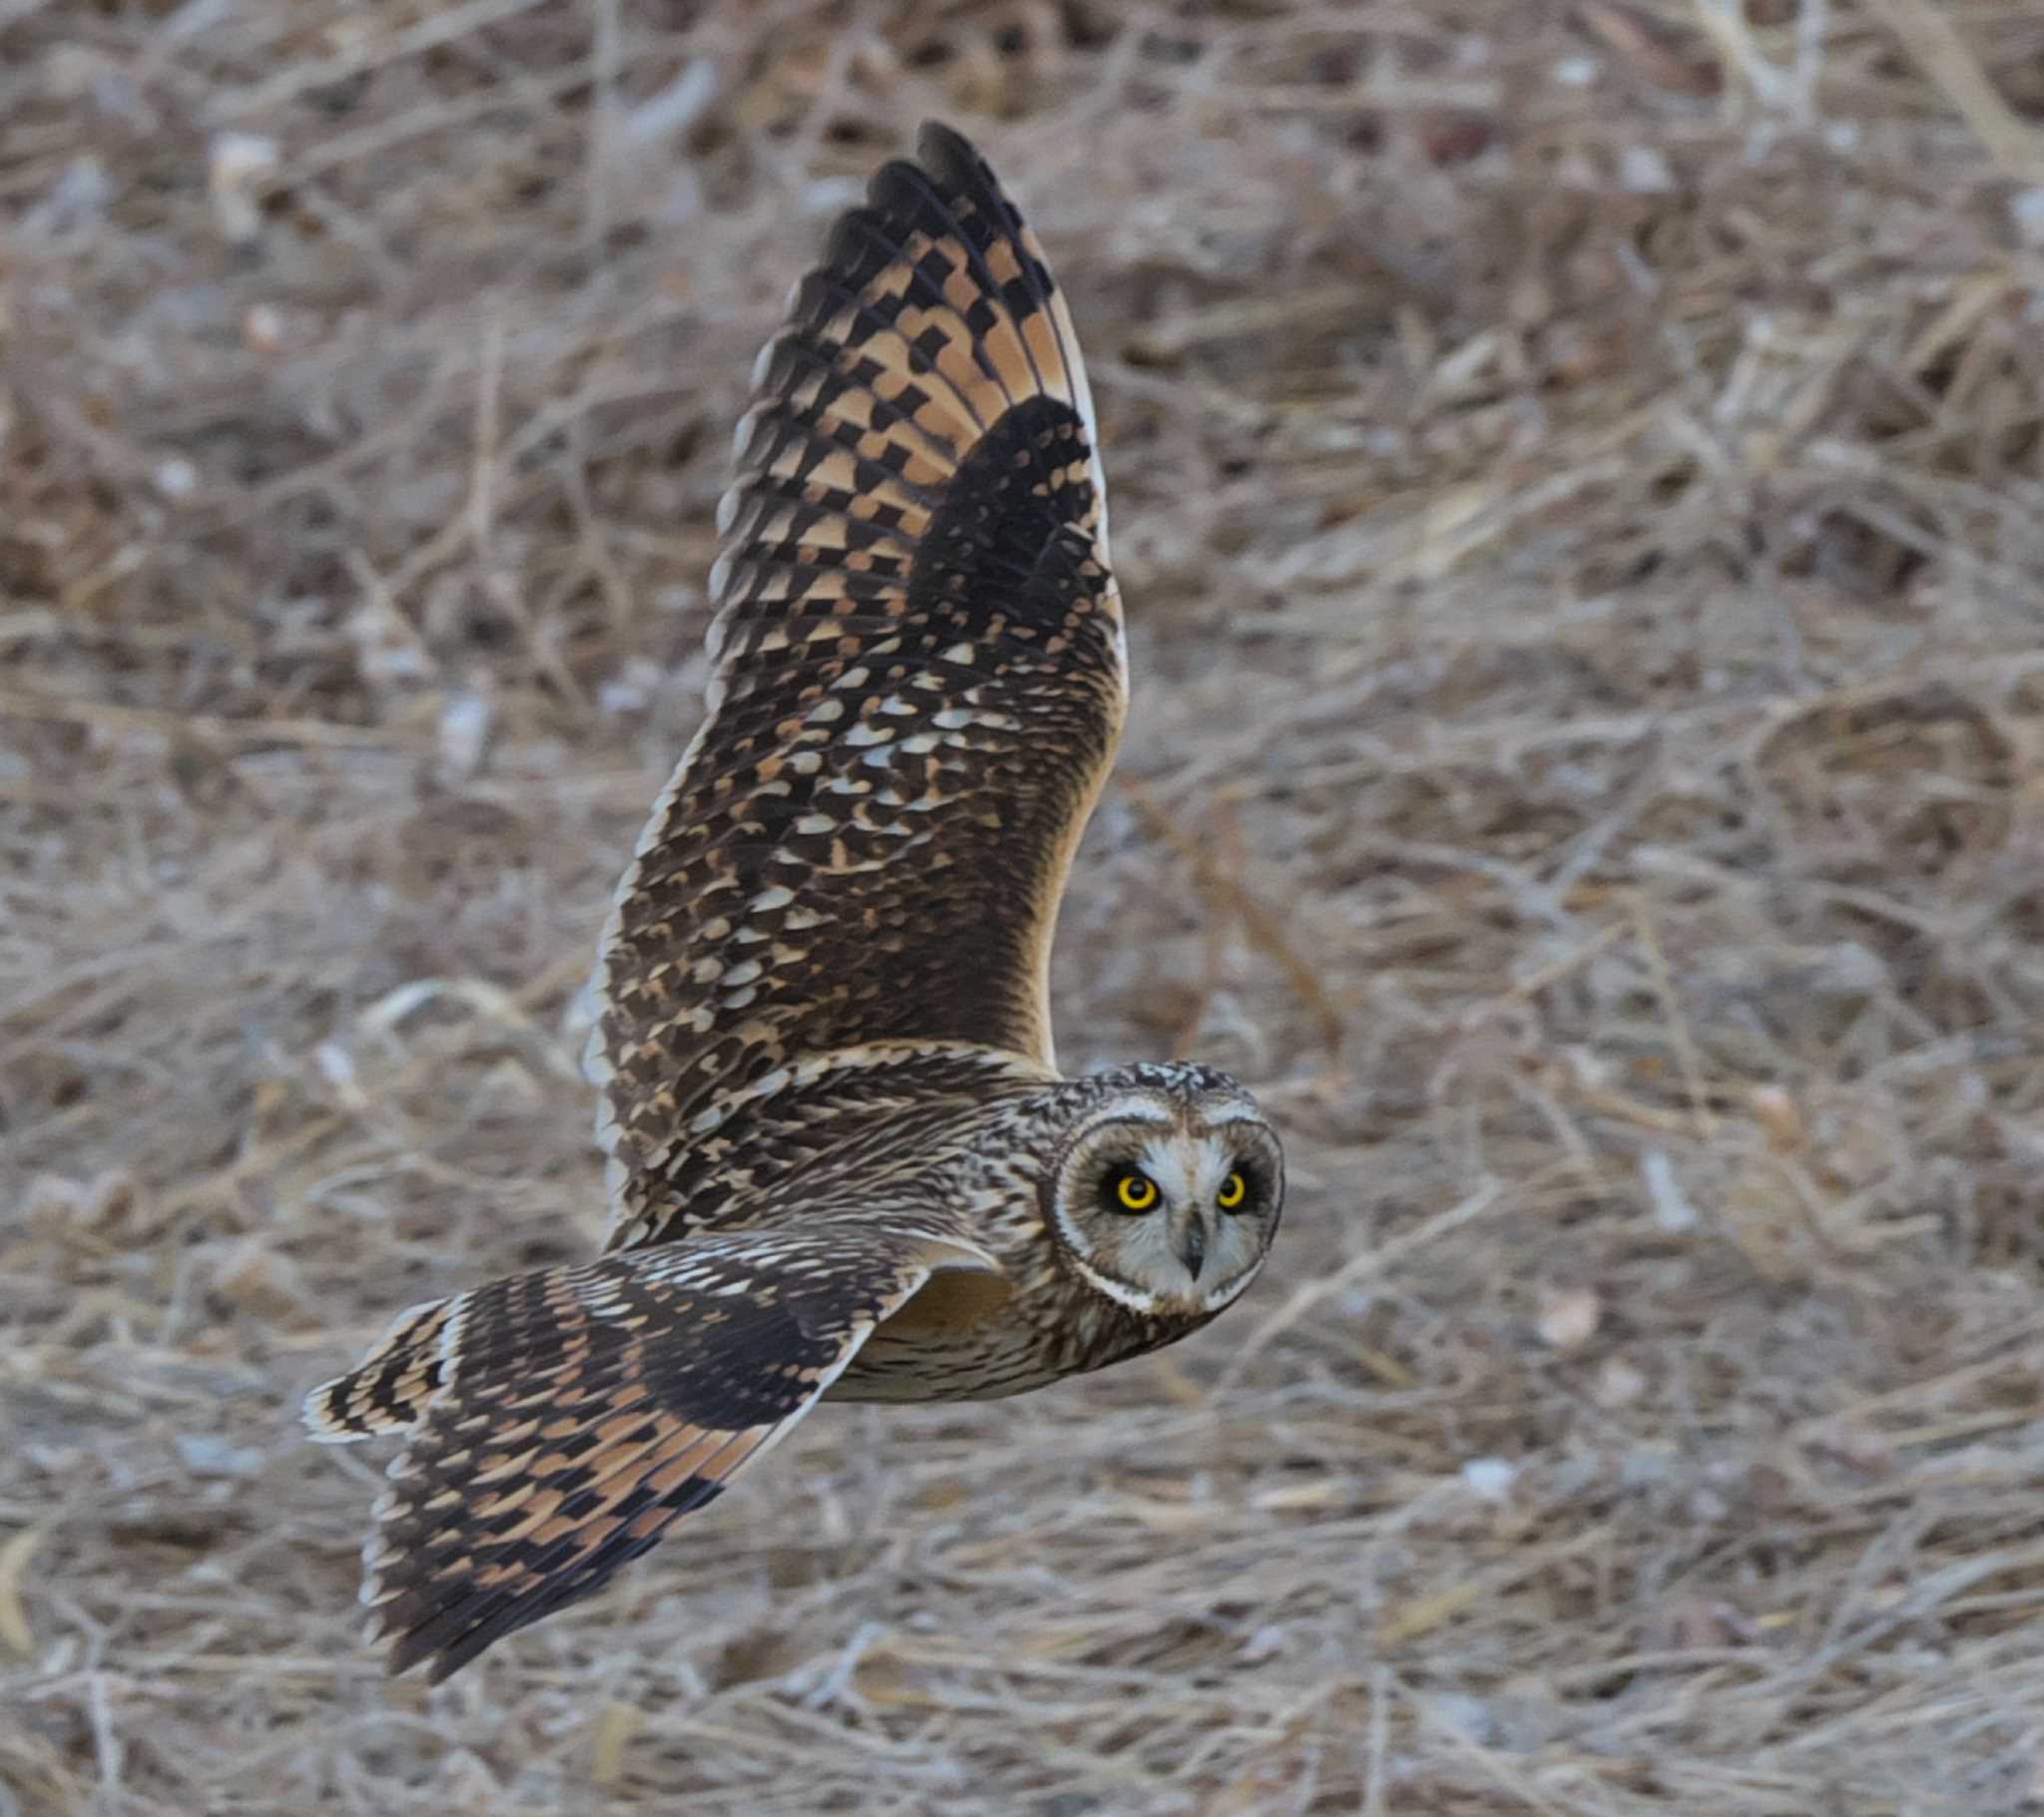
1165,1205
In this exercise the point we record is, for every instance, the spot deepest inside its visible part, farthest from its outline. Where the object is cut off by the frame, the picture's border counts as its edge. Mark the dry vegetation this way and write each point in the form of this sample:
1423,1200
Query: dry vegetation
1580,492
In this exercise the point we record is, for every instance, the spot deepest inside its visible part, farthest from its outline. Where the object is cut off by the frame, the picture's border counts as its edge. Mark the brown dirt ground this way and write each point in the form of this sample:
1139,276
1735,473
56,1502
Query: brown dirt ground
1578,489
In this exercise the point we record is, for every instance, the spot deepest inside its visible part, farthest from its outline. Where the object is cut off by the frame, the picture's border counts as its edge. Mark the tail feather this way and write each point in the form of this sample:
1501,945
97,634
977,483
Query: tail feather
561,1421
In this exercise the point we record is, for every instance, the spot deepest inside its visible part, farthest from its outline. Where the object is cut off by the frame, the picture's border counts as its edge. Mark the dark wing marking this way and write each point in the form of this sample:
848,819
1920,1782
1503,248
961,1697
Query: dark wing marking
919,687
561,1421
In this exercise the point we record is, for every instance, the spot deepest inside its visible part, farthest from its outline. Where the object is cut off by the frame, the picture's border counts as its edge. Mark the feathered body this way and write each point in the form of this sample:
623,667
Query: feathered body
842,1163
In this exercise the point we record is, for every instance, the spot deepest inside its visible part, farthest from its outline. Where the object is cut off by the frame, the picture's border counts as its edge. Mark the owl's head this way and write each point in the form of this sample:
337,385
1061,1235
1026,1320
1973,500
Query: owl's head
1163,1193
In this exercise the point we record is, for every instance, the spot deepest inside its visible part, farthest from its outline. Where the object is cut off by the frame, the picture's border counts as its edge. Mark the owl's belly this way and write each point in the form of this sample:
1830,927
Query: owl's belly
983,1367
964,1337
971,1337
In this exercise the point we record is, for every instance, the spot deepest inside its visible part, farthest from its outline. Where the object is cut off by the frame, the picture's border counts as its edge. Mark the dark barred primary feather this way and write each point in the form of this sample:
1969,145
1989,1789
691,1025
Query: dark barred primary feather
576,1413
918,692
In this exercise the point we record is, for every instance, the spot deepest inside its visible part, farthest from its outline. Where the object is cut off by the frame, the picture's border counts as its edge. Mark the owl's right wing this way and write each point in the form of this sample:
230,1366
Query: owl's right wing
558,1423
918,690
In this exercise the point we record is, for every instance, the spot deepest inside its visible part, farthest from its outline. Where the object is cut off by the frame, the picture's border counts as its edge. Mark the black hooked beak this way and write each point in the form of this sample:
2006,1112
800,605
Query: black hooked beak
1192,1248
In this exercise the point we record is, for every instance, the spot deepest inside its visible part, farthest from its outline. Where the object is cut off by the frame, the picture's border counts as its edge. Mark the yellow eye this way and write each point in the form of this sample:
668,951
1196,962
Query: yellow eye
1135,1191
1234,1189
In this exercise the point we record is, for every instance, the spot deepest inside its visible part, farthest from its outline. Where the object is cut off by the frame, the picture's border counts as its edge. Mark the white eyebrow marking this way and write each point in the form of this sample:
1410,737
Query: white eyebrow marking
1162,1158
1226,1118
1143,1113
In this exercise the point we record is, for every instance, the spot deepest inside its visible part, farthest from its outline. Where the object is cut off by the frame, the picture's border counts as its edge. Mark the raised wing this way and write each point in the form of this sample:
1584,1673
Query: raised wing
560,1422
919,686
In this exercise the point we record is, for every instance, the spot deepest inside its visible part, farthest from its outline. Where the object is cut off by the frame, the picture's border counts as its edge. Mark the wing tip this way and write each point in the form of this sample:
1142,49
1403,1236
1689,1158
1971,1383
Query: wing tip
447,1627
945,150
941,151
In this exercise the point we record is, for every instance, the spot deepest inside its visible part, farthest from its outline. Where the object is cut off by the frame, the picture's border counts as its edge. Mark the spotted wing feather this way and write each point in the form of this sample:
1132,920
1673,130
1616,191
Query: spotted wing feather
561,1421
918,689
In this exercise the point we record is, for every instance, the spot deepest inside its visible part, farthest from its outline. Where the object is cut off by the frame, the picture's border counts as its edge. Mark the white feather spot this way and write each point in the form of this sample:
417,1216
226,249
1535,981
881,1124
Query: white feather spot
826,711
777,896
863,733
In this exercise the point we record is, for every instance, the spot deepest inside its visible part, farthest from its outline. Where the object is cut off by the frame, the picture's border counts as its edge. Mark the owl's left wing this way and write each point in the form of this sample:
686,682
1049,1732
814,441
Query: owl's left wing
558,1422
918,690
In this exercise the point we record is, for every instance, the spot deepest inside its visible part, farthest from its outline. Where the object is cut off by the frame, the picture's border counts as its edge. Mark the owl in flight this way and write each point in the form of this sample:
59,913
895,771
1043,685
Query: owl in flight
842,1160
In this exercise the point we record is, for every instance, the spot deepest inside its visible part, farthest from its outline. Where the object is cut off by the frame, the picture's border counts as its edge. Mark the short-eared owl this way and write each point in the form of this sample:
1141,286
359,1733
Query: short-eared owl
842,1159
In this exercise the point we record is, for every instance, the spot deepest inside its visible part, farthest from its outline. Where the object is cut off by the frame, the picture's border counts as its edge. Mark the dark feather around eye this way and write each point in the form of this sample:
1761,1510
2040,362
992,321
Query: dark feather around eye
1255,1176
1128,1189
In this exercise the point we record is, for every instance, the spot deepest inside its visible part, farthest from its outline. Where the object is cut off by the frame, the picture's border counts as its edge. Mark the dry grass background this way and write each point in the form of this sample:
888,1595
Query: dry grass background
1579,488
